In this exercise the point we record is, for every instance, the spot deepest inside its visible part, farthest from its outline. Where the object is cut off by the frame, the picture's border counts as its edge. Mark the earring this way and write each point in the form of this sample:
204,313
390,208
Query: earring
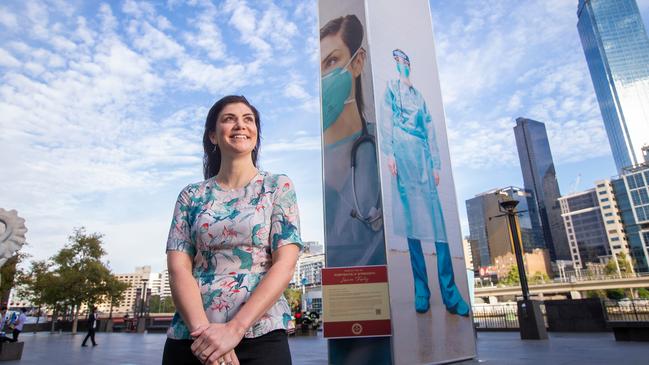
214,149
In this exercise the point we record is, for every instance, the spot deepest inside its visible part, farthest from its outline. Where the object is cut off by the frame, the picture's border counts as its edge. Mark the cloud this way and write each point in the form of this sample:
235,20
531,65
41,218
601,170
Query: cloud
7,19
7,59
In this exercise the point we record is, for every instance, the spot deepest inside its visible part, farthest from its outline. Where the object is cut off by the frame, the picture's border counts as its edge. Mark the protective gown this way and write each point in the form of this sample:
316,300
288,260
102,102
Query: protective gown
410,138
351,242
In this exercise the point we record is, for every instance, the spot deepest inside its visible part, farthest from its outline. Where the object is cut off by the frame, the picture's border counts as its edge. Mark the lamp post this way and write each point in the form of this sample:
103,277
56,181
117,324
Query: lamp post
510,209
530,317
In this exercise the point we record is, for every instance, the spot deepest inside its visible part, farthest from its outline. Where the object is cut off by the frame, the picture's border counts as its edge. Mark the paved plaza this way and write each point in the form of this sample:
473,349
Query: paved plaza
493,348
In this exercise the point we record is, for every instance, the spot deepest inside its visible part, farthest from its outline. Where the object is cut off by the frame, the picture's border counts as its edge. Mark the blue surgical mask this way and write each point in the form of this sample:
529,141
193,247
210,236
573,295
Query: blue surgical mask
403,69
336,87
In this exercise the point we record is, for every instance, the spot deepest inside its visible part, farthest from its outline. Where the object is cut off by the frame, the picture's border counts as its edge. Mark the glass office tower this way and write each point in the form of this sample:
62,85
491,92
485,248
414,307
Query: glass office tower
616,47
540,178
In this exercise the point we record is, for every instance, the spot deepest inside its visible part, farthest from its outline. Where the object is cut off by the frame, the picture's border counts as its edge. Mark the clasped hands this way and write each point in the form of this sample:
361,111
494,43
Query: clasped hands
215,342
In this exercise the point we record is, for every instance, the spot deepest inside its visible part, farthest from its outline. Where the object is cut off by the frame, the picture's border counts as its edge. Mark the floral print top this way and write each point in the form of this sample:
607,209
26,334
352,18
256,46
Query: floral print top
231,235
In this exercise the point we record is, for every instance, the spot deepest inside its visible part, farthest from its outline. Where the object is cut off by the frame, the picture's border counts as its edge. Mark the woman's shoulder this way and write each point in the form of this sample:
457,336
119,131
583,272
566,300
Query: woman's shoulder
197,188
275,180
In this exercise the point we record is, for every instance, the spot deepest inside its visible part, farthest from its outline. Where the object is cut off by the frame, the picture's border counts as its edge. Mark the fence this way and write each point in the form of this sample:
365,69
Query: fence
627,310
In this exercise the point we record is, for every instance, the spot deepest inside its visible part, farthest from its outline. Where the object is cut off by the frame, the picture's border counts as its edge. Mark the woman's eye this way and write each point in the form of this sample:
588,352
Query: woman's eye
248,119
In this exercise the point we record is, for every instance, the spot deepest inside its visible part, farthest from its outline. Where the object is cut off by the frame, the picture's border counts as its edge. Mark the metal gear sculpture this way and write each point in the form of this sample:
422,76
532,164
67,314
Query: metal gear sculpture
12,234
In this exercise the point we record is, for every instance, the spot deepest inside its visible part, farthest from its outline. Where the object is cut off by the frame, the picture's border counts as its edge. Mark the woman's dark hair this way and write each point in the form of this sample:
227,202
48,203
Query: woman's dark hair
211,152
351,32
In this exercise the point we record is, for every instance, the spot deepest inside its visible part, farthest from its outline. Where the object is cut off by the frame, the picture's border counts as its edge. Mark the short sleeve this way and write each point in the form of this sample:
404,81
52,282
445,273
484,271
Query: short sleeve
179,234
285,219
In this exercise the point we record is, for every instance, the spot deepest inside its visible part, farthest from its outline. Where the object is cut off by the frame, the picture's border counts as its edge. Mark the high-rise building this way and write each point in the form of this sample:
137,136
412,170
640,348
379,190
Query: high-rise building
489,230
632,195
539,177
616,47
594,225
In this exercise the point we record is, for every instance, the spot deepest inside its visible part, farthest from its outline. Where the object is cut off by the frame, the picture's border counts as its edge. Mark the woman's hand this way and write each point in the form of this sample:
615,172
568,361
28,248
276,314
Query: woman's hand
217,340
392,165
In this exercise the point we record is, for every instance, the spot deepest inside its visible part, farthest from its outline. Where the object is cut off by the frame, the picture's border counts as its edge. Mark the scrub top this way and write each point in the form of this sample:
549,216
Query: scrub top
409,137
351,242
231,234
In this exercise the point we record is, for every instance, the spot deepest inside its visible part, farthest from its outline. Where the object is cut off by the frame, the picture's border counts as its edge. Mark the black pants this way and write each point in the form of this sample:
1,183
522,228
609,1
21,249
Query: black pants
91,335
14,338
271,348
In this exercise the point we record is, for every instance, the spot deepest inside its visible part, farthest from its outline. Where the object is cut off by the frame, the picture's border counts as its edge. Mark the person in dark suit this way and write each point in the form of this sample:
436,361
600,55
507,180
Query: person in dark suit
92,324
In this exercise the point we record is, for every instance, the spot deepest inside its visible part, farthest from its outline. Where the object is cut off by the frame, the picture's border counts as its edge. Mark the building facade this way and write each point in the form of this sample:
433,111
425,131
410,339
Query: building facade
632,194
539,177
594,225
616,47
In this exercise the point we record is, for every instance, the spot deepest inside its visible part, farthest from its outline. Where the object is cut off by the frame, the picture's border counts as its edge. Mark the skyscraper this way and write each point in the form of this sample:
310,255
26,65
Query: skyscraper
540,178
616,47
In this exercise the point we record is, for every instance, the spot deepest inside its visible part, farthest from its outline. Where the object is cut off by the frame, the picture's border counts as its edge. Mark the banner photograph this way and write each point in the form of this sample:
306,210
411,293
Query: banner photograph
430,308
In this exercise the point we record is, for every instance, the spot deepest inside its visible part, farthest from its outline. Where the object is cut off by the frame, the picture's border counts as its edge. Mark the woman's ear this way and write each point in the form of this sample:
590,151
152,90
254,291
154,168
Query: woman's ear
358,63
212,136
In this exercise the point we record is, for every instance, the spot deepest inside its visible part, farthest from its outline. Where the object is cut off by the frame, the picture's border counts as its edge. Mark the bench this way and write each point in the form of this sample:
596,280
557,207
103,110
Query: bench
630,330
11,350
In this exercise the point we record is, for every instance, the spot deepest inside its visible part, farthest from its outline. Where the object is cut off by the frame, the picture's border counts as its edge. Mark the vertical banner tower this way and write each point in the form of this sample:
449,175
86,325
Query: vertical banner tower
395,288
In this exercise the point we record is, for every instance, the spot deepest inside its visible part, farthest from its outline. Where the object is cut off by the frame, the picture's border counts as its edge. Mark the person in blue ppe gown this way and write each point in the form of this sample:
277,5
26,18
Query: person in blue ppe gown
354,231
413,159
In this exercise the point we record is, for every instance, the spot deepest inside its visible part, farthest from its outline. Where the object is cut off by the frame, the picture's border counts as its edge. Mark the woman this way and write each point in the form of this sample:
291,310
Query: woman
413,158
232,249
354,227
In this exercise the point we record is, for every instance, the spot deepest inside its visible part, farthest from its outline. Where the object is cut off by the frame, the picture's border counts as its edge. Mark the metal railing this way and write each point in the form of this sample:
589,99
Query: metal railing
499,316
630,310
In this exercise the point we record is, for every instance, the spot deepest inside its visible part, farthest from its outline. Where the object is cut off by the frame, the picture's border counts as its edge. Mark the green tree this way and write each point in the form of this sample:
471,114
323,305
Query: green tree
115,291
643,293
74,276
512,278
615,294
539,278
599,293
623,263
8,272
158,304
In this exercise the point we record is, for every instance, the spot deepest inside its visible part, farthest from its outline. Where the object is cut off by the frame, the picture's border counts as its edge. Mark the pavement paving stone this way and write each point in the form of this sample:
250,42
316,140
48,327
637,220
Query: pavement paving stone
493,348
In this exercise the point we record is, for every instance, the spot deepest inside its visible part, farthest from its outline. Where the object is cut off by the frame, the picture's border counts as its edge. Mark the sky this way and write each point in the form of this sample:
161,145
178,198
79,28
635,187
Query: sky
102,105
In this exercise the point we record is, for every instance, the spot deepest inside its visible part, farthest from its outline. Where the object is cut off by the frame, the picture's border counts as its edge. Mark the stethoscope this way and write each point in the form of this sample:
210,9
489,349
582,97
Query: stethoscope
374,215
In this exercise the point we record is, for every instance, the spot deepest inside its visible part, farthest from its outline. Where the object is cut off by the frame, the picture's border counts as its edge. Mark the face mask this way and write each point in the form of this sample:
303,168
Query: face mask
403,69
336,87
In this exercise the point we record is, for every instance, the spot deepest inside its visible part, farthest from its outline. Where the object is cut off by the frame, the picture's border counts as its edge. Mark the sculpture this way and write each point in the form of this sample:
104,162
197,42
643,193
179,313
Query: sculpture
12,234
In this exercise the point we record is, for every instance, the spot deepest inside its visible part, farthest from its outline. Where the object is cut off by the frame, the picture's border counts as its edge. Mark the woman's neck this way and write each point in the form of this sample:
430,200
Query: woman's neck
406,81
236,172
348,123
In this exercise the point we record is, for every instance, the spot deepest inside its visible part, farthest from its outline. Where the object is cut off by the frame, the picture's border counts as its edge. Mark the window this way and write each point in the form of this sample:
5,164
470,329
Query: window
602,192
610,222
615,239
608,215
604,200
606,207
601,185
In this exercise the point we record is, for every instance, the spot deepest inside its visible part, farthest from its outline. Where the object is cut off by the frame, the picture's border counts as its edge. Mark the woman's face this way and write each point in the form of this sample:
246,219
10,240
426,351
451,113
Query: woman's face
236,131
334,53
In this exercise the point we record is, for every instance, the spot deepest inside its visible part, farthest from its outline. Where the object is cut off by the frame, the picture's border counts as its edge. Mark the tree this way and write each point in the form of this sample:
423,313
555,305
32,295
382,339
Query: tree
158,304
539,278
643,293
74,276
115,291
622,262
512,277
7,274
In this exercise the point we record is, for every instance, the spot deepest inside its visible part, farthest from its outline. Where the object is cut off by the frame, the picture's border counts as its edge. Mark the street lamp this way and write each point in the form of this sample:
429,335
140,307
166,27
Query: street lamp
530,317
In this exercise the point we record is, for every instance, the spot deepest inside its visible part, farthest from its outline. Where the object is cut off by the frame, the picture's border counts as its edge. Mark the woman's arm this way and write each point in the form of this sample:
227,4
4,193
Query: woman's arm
217,339
184,290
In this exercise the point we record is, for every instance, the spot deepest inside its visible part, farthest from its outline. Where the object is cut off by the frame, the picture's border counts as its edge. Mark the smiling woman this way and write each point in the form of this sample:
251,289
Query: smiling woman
232,249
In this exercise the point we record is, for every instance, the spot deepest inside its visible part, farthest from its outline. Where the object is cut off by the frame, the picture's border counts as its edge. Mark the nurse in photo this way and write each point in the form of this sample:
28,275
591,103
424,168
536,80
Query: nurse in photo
412,156
354,224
